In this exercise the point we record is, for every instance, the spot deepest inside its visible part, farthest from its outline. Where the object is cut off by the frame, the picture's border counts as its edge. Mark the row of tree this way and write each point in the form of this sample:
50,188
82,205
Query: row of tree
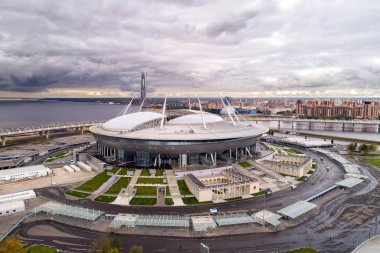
362,148
104,244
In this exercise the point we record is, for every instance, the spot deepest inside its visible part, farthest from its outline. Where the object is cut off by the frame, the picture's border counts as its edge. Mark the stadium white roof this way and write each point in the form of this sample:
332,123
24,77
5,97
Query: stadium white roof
22,170
195,119
297,209
349,182
17,196
130,121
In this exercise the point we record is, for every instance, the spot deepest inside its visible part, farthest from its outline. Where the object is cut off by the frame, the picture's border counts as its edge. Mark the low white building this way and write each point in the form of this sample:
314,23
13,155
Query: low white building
24,195
12,207
21,173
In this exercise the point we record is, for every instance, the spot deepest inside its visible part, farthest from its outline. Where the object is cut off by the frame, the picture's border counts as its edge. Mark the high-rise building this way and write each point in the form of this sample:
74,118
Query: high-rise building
143,93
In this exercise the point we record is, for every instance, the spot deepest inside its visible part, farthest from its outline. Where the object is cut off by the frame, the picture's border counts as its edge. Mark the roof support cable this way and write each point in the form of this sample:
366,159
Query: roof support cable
141,106
203,118
233,110
163,115
228,112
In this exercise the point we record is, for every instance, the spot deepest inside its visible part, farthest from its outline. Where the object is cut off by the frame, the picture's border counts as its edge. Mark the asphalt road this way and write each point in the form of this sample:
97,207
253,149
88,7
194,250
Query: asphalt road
329,231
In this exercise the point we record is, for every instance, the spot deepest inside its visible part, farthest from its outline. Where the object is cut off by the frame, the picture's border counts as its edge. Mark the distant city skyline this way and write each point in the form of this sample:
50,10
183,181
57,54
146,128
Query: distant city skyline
290,48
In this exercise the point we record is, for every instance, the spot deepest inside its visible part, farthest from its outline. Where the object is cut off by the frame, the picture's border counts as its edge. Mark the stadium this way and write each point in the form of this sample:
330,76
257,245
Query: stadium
178,138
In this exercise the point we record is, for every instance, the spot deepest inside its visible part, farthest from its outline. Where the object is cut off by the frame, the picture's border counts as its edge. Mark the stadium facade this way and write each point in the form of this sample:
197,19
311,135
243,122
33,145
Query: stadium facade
175,137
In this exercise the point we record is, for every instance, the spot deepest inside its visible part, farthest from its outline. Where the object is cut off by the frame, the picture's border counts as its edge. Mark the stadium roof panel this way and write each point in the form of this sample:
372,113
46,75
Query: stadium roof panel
196,119
130,121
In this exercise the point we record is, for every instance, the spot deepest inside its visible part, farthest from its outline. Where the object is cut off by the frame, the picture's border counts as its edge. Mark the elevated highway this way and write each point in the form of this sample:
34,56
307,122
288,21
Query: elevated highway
45,129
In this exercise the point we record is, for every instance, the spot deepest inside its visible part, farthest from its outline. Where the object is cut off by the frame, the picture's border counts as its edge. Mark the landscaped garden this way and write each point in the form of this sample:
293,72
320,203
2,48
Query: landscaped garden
94,183
169,202
245,164
159,172
78,194
374,162
41,249
145,172
150,180
60,155
194,201
125,171
143,201
167,192
106,199
183,187
146,191
120,184
304,250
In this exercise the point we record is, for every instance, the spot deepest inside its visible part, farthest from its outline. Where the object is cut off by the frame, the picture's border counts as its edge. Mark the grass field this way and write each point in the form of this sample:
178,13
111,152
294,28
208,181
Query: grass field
41,249
233,199
291,151
124,171
150,180
374,162
78,194
116,187
58,156
146,190
94,183
367,155
106,199
183,187
143,201
245,164
169,202
159,172
145,172
114,170
167,193
258,193
194,201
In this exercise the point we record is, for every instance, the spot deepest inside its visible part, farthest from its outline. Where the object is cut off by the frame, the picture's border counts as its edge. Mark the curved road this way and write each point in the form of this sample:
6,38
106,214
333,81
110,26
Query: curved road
341,224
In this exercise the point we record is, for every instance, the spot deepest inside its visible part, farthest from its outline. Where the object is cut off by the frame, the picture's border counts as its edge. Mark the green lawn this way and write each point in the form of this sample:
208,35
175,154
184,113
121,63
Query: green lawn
304,250
291,151
367,155
310,172
41,249
167,193
145,172
106,199
116,187
78,194
194,201
183,187
169,202
233,199
313,165
114,170
245,164
159,172
94,183
375,162
146,190
143,201
150,180
58,156
303,178
125,171
258,193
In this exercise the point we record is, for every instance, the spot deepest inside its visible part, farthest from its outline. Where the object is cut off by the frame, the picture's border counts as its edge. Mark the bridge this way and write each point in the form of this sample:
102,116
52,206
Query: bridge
345,123
45,129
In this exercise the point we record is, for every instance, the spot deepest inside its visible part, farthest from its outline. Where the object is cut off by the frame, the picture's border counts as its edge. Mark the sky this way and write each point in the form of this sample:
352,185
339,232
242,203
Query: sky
193,48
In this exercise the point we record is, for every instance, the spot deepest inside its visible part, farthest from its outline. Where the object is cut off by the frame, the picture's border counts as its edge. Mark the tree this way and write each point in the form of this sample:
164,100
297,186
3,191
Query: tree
271,132
116,242
12,244
113,250
351,147
364,148
372,147
136,249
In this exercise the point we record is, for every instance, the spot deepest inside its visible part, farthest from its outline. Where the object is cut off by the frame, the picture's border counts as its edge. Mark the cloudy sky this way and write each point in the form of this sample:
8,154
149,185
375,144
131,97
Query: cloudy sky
189,48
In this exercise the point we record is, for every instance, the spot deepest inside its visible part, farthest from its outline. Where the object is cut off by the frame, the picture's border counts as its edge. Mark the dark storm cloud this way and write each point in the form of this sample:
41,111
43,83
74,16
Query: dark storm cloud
189,46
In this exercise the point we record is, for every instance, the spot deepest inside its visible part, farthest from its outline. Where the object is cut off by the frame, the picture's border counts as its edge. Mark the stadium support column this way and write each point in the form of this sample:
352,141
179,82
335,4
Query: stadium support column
310,125
343,126
279,124
230,154
325,126
378,129
3,141
183,160
47,134
292,125
81,130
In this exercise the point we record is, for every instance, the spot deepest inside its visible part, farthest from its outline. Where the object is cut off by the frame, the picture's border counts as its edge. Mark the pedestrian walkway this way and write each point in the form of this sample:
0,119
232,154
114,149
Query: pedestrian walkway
126,196
104,186
173,187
